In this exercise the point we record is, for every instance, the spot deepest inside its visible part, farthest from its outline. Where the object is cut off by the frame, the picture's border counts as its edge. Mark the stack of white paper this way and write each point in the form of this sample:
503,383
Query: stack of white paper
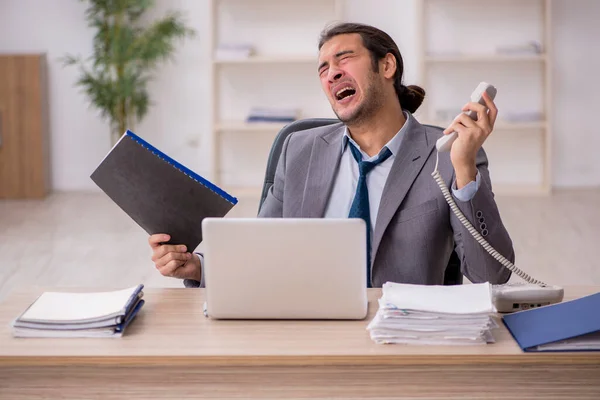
420,314
99,314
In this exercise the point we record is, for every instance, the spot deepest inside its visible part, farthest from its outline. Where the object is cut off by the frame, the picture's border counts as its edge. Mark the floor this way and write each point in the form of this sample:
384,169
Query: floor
83,239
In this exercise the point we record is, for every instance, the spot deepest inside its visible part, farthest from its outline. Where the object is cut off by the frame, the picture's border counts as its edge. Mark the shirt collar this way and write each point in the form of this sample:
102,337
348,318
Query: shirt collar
393,144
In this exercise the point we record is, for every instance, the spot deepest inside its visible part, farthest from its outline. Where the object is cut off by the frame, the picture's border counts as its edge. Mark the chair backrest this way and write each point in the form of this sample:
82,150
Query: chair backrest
453,274
300,125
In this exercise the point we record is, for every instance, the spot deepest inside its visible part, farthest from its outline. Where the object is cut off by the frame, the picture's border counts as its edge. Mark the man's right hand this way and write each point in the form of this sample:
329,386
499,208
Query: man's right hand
174,260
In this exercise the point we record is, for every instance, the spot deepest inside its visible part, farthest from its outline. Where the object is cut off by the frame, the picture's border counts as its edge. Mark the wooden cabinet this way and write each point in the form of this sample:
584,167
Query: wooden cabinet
24,160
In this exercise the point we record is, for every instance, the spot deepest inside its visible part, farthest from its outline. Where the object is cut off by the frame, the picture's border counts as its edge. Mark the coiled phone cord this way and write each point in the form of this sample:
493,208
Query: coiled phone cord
461,217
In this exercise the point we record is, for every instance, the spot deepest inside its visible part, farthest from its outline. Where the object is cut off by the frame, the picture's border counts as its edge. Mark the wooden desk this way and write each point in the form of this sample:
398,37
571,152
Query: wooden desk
173,351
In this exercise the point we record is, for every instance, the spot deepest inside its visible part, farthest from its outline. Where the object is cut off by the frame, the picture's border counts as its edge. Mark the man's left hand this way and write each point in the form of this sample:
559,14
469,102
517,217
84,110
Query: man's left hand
471,135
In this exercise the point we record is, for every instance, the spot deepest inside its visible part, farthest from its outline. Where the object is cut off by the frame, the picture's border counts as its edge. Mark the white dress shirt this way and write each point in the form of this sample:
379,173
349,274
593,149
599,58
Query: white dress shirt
346,180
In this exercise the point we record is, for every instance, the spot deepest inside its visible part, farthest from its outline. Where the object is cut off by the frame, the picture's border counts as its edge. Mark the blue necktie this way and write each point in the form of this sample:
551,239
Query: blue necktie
360,204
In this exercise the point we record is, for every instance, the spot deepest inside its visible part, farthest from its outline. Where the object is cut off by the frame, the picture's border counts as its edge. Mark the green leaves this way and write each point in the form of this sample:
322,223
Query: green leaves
125,52
156,43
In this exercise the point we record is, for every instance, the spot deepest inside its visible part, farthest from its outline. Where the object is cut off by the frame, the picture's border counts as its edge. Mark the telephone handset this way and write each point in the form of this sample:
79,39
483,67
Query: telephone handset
507,297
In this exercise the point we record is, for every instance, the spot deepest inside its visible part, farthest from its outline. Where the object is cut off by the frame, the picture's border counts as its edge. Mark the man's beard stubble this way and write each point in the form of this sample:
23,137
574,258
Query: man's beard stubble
373,100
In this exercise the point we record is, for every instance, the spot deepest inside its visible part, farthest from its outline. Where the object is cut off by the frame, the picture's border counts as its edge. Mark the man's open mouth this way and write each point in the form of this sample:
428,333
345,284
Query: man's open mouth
345,92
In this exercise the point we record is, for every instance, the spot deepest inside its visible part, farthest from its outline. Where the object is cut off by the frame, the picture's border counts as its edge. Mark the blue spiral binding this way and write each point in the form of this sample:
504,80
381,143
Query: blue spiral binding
183,169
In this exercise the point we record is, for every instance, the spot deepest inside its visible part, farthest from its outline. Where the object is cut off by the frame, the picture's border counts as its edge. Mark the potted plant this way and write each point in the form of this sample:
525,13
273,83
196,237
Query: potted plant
127,50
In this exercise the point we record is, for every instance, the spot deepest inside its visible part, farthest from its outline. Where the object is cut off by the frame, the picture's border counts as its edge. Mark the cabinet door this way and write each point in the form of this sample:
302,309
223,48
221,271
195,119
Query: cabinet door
23,155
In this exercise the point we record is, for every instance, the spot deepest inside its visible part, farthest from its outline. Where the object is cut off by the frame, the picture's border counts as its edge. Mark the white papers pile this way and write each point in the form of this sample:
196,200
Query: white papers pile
436,315
60,314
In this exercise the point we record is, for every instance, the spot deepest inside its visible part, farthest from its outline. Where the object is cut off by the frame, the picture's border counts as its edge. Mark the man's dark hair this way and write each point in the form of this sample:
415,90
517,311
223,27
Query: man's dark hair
379,44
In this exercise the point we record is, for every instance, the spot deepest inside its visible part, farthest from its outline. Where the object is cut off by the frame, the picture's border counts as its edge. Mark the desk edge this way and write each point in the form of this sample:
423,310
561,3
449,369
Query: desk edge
224,361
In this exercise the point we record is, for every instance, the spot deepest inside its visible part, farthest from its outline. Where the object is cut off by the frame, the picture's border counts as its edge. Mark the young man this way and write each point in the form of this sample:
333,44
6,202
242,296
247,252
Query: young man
376,164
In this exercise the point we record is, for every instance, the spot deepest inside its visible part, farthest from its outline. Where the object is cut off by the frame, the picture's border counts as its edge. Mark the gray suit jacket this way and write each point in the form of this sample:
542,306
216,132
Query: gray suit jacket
415,232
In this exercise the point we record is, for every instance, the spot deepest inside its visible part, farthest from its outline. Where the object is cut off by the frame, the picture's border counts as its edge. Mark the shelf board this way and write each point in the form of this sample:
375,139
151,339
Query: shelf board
241,126
244,192
518,126
504,189
467,58
274,127
282,59
500,125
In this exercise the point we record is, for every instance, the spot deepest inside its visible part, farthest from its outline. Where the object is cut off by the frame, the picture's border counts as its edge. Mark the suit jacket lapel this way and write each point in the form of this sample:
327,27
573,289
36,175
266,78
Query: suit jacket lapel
409,161
324,162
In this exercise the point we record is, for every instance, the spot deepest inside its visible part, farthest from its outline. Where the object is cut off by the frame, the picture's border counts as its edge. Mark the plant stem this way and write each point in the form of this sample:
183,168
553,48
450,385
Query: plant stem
122,109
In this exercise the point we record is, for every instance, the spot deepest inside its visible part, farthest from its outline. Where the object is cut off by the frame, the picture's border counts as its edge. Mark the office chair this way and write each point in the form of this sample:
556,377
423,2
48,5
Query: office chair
453,274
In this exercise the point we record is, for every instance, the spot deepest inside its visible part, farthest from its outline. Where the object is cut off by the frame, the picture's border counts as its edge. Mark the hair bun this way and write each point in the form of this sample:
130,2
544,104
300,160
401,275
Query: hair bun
411,97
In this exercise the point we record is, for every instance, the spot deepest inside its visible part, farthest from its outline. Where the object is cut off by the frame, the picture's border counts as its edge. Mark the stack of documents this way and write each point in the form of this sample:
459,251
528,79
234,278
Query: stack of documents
419,314
100,314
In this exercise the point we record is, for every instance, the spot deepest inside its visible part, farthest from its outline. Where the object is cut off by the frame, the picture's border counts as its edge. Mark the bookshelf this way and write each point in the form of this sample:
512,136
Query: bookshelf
280,72
492,58
268,60
240,126
504,43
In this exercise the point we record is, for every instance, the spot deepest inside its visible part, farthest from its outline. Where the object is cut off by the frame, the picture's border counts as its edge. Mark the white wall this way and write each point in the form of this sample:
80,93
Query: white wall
179,120
397,18
576,92
79,139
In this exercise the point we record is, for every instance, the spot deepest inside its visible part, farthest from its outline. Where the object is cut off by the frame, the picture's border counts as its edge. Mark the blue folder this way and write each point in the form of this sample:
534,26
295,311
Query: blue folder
569,326
121,327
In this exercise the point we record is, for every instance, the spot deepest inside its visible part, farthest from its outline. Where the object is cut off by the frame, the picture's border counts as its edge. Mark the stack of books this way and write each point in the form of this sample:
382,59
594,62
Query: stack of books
530,47
234,51
434,315
267,114
96,314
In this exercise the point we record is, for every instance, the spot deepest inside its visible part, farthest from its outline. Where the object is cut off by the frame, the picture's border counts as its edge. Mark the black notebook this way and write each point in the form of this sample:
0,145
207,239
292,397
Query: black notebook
159,193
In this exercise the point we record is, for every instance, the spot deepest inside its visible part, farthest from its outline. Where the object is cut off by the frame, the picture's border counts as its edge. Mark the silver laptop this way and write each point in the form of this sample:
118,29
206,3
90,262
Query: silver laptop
274,268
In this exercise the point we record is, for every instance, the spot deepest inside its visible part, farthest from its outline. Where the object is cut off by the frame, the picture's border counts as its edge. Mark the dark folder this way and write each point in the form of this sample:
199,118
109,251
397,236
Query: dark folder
569,326
159,193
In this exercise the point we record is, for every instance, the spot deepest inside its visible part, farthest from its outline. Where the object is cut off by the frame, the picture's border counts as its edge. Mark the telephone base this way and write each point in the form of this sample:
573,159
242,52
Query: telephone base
512,297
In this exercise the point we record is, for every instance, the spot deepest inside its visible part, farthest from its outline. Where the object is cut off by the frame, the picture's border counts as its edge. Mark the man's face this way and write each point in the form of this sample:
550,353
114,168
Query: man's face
353,89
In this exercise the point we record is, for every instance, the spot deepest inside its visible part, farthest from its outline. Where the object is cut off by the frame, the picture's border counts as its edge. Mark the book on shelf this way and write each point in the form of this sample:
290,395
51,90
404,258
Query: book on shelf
234,51
274,114
532,47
